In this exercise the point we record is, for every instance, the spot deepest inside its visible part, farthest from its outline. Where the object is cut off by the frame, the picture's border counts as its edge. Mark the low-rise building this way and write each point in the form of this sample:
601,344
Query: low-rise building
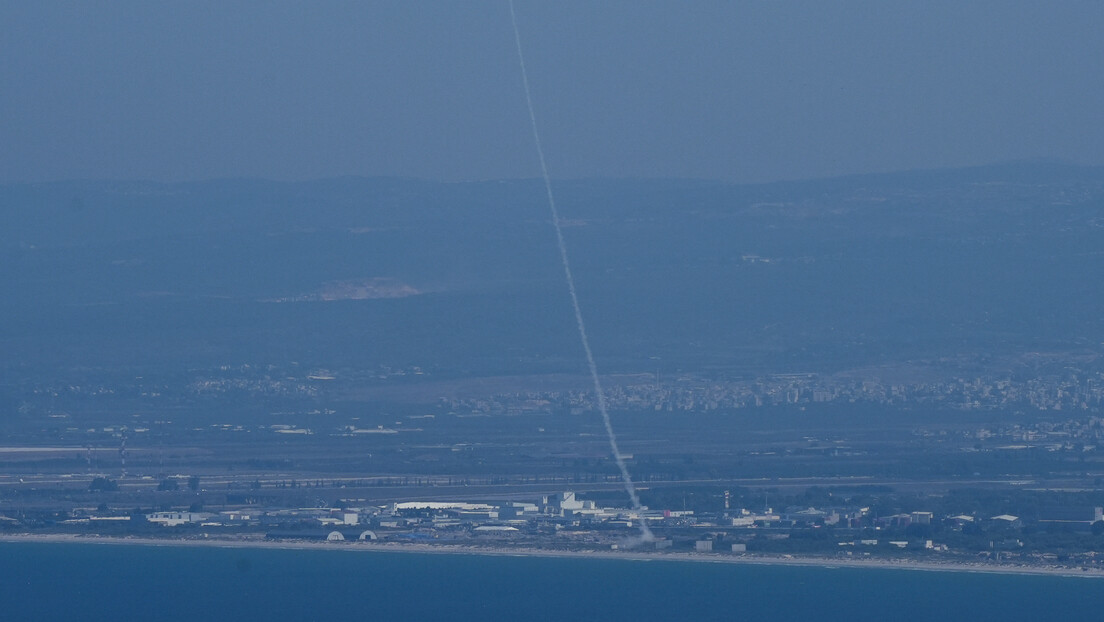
173,519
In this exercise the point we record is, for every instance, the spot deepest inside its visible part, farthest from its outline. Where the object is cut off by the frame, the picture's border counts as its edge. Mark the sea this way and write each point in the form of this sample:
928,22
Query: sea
91,582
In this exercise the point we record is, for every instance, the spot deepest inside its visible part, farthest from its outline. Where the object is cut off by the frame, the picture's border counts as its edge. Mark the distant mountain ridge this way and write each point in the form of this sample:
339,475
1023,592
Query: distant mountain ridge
825,274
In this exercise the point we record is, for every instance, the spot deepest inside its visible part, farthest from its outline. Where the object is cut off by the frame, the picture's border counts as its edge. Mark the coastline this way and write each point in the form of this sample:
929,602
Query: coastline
453,549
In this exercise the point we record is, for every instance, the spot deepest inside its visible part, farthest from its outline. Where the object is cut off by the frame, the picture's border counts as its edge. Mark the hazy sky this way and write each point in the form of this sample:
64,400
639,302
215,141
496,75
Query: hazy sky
742,91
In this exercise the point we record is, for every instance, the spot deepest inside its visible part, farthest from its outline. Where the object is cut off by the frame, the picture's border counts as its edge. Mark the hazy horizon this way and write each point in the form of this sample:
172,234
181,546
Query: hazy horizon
736,93
1059,162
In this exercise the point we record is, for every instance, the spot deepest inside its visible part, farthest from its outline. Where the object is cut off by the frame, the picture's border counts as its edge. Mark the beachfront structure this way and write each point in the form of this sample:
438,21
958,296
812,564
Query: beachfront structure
172,519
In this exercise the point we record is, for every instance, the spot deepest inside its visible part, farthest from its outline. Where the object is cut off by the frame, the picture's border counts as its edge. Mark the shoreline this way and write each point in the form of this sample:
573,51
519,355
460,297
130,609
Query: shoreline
452,549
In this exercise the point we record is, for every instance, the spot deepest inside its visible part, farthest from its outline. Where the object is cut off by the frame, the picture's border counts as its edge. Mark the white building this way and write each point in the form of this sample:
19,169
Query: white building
172,519
567,501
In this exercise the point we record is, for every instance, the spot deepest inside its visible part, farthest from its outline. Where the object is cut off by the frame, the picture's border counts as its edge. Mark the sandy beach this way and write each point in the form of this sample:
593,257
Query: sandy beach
451,549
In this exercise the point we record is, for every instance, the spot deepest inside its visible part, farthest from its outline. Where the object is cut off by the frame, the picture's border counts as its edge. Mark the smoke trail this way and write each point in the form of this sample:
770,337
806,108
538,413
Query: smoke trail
646,533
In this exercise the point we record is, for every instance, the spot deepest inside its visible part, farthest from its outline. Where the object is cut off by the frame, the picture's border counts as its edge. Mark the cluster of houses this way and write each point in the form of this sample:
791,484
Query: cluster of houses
564,518
455,520
559,510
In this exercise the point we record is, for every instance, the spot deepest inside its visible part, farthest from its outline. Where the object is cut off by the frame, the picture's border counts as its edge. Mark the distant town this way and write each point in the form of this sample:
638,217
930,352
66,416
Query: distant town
1060,535
1072,390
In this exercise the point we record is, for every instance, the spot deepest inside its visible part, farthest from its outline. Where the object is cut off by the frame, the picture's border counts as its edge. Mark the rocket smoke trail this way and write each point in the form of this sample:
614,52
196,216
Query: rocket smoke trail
625,477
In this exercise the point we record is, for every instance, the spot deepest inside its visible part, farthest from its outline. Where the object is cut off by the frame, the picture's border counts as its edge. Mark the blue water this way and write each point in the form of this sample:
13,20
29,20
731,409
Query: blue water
106,582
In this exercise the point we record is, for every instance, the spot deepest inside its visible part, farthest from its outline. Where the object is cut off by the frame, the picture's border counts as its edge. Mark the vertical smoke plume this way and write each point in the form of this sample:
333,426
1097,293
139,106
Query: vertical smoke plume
625,477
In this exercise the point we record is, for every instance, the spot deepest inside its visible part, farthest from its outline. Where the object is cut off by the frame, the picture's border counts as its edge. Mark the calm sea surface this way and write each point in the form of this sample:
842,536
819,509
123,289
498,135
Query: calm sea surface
41,581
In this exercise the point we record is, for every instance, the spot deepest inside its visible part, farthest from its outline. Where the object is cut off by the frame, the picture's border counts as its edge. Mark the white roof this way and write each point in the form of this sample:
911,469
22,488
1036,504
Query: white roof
442,505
